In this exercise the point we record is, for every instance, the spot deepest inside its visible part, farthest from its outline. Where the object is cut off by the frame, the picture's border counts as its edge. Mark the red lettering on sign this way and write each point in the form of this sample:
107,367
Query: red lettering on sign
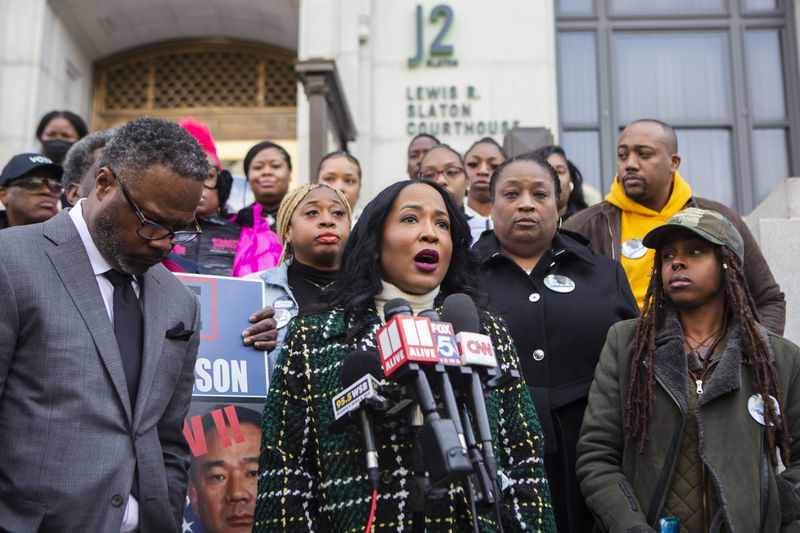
196,437
238,436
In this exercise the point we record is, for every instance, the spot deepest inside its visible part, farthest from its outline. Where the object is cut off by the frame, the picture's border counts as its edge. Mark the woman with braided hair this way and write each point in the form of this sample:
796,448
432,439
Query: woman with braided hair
694,404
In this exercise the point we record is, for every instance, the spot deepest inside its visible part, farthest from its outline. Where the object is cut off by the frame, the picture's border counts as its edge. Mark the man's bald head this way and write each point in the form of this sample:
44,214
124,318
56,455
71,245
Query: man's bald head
670,137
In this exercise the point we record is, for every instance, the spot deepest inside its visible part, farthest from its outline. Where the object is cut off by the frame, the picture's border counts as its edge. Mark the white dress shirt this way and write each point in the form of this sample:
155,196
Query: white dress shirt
100,266
477,223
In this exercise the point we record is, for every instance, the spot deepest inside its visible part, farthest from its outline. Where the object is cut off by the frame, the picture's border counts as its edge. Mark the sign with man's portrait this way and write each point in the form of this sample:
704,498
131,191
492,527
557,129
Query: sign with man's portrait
223,426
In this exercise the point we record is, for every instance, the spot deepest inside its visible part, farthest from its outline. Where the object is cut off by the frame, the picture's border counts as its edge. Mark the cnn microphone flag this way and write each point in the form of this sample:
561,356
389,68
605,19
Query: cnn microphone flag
404,339
476,349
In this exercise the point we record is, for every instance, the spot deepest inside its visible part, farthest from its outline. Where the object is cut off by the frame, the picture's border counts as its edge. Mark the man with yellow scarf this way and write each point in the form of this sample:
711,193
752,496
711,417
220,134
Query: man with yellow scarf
647,191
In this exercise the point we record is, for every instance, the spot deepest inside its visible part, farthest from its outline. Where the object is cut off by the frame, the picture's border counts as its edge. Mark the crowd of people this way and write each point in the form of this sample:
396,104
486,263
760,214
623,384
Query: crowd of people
646,330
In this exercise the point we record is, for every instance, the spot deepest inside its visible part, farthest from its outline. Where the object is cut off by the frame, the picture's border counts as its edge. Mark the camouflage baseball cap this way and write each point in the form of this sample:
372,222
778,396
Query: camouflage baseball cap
712,226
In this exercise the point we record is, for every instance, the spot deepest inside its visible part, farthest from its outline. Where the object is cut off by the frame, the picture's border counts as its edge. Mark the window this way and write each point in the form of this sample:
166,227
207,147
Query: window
718,71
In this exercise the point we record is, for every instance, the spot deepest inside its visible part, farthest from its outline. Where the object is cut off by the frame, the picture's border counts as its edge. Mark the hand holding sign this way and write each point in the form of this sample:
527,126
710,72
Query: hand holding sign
263,334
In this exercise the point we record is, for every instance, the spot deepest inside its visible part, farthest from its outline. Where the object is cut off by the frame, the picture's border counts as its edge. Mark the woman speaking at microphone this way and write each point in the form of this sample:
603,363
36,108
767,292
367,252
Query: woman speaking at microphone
559,299
411,242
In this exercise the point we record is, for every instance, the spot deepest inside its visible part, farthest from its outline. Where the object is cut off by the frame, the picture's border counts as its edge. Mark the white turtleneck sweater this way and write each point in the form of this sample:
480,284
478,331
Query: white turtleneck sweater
418,302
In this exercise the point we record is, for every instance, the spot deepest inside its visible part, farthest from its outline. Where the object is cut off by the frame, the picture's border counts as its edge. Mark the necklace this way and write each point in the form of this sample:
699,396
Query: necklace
320,287
699,356
703,347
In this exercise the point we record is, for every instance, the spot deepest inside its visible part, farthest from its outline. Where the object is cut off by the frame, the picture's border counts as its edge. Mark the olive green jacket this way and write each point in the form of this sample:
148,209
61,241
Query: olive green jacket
626,490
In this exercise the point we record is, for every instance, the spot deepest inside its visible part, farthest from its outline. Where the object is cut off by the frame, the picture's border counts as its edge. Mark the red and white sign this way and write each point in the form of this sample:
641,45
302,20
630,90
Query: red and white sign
404,339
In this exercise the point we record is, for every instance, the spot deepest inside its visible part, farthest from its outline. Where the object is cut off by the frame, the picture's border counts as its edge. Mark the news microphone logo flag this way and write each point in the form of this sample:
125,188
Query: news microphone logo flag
476,349
446,346
350,398
404,339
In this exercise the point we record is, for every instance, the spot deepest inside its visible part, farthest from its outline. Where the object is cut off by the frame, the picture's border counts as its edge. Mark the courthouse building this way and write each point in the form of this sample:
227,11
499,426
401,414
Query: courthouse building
314,75
724,72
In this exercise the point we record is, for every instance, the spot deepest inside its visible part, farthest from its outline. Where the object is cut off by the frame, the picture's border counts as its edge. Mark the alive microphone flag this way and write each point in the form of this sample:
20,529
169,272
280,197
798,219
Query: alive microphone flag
405,339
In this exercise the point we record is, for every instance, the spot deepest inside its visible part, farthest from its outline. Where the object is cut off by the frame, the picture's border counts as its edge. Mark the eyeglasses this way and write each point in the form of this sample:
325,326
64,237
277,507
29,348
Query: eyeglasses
449,173
152,231
32,183
212,181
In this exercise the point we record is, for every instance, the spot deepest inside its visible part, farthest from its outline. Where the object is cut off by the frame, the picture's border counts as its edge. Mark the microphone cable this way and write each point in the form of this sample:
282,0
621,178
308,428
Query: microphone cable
372,510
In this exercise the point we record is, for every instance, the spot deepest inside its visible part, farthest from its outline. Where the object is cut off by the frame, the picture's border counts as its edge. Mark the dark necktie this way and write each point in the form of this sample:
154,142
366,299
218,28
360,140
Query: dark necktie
128,327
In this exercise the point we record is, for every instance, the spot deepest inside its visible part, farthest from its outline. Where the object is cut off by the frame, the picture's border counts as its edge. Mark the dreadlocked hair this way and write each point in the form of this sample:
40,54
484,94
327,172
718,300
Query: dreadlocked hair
741,310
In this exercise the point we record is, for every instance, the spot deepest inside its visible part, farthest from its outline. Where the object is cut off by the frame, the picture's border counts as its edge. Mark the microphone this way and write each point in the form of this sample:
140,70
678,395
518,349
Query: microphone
447,352
479,487
477,351
404,343
404,340
360,375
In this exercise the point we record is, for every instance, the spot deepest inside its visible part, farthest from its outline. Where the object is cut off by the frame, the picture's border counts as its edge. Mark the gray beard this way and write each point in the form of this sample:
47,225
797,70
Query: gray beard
107,237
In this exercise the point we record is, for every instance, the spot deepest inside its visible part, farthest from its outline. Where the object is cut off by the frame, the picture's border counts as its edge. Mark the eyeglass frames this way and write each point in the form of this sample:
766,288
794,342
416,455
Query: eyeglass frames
152,231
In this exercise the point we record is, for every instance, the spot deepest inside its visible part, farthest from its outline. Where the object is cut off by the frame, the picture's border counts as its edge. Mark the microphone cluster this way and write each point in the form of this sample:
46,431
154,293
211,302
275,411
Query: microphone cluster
438,371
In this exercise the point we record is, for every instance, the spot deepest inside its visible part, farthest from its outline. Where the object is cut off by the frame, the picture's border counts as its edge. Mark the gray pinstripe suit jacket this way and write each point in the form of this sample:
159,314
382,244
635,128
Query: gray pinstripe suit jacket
69,442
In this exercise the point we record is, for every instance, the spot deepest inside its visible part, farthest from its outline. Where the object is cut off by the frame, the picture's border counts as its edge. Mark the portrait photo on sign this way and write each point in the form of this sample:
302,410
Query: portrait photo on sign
225,439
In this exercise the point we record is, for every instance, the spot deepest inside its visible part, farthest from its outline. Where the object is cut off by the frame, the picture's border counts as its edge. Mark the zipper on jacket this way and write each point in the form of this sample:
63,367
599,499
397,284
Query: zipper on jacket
611,235
703,471
657,503
765,469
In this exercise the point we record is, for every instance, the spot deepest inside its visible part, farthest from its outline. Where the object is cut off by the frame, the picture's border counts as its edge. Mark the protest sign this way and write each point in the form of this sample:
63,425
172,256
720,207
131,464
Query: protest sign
223,426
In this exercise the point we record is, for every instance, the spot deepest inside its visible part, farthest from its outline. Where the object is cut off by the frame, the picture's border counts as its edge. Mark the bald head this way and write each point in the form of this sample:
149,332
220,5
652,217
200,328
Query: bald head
670,138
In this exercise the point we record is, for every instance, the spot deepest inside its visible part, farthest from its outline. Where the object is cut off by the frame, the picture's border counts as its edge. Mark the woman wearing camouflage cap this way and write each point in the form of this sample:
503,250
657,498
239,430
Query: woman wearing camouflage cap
677,428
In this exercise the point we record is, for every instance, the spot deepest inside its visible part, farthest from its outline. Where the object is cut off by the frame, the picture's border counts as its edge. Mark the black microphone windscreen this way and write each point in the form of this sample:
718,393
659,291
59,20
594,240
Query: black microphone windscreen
396,306
430,314
460,310
357,364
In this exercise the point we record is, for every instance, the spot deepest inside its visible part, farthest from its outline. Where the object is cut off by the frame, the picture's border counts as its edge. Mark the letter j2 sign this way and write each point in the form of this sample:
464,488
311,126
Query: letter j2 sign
439,53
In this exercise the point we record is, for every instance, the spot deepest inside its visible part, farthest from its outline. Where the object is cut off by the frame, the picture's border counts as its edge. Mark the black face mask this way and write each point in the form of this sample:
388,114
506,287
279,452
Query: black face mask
56,149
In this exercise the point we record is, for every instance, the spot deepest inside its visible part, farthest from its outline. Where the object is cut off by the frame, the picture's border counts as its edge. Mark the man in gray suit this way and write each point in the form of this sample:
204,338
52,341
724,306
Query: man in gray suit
98,344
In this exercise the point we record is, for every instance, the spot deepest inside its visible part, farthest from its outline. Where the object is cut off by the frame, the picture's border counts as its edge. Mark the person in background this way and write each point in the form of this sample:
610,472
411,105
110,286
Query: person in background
80,165
214,250
342,171
695,405
268,168
647,191
30,186
443,165
58,131
571,200
558,299
411,242
480,161
313,225
417,148
223,482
